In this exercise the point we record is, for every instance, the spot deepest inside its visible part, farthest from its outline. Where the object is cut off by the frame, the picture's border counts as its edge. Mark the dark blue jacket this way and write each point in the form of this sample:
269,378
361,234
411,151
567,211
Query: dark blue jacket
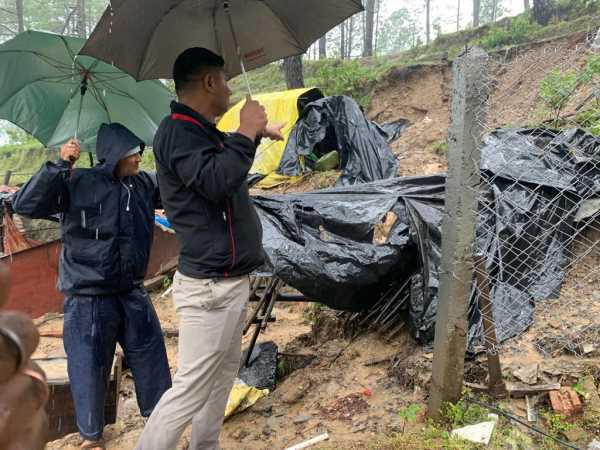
106,223
202,175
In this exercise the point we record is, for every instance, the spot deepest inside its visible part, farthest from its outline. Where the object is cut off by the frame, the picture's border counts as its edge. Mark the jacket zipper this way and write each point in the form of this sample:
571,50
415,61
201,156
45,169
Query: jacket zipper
231,236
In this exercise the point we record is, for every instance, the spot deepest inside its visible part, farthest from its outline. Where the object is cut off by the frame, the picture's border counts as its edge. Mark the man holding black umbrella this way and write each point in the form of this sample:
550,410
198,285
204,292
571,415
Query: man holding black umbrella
202,177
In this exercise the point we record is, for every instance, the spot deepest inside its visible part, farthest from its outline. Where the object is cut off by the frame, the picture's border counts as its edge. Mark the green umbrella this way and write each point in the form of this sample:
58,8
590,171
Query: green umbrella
50,92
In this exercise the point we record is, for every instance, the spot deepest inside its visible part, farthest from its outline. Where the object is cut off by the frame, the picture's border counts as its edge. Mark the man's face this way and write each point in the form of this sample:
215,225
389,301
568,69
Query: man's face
129,167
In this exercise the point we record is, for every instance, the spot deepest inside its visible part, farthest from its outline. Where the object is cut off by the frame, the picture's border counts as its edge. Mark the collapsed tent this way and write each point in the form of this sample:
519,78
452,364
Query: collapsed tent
323,243
338,123
314,127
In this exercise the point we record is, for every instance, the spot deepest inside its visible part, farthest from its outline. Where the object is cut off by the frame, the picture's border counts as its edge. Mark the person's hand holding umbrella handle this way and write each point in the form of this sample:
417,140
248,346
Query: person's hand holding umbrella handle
253,119
70,151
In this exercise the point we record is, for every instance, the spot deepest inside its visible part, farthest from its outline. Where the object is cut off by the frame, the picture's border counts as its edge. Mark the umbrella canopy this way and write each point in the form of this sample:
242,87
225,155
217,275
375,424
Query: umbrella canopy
143,37
42,85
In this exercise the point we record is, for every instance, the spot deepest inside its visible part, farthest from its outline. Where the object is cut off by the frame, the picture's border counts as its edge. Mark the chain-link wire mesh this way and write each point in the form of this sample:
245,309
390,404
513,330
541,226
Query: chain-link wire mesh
538,215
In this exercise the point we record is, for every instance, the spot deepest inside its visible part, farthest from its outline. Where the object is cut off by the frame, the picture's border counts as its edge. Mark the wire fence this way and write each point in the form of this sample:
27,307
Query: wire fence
521,262
538,215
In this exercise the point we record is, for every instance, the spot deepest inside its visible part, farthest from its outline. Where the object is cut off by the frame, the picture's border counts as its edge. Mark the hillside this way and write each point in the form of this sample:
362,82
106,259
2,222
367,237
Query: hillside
414,85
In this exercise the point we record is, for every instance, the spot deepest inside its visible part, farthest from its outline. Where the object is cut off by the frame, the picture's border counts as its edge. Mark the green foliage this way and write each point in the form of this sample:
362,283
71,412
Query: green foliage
311,314
398,32
409,413
25,159
281,369
440,148
487,8
556,88
349,77
557,424
589,120
167,283
517,32
463,413
430,437
17,136
591,69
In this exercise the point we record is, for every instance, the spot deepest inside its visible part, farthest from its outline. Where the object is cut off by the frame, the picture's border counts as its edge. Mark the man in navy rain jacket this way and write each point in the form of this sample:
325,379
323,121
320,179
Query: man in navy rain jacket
107,221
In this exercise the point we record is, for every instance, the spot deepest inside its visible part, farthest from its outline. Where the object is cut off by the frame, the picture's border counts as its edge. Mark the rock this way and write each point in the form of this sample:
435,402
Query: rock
359,428
566,401
274,422
528,374
480,433
240,435
594,445
300,419
331,388
130,407
296,393
575,434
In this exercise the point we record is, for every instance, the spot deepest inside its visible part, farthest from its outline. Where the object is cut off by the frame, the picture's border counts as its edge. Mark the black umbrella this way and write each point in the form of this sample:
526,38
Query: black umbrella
143,37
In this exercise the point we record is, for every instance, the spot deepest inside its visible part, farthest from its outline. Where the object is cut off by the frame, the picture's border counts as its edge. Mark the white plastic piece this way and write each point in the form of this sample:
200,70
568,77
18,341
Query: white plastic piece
480,433
313,441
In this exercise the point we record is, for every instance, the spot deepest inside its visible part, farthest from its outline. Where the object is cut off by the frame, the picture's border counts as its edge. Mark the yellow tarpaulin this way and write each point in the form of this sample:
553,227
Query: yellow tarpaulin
281,107
243,397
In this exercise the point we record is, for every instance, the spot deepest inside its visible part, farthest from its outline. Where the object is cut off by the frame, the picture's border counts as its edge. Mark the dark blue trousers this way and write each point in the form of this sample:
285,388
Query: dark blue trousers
92,327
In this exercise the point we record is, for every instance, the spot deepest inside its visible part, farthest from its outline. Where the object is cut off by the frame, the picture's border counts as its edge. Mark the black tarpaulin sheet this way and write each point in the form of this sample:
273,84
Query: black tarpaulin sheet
321,242
338,123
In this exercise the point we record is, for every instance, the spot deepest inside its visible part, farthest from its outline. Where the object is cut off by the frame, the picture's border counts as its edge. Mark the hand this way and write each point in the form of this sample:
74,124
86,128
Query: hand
71,151
273,131
253,119
23,389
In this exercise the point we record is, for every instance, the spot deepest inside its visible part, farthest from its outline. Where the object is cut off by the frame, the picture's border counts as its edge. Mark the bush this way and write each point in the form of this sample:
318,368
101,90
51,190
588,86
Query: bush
556,89
348,77
517,32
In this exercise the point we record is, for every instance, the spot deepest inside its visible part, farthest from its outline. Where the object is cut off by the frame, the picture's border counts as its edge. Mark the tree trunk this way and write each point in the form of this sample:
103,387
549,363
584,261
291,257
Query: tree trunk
81,29
323,47
292,68
458,17
428,21
350,36
476,12
369,22
542,11
343,40
494,10
526,5
20,18
377,9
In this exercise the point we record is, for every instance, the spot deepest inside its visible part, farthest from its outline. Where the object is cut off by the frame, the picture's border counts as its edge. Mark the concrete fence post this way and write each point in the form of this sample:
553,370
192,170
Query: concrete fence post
467,124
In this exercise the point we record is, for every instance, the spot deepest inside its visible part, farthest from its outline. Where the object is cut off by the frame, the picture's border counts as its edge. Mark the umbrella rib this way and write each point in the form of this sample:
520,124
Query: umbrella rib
99,99
123,94
52,62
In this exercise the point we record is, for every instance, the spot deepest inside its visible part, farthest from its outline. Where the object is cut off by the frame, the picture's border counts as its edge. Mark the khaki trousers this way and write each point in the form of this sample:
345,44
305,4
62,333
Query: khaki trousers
211,316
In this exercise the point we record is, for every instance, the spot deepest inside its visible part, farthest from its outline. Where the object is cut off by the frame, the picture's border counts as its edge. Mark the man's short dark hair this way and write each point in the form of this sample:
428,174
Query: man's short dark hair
194,63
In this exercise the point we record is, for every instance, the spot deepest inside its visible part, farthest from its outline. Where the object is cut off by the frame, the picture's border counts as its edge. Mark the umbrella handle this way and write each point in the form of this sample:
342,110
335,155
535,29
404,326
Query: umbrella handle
83,90
237,47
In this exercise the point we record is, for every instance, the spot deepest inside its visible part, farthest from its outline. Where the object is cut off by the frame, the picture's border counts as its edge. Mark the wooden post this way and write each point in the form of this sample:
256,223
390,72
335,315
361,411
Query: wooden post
7,176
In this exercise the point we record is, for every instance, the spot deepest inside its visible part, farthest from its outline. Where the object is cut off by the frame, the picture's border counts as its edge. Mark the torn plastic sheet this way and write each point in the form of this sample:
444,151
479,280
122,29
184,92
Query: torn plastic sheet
321,243
338,123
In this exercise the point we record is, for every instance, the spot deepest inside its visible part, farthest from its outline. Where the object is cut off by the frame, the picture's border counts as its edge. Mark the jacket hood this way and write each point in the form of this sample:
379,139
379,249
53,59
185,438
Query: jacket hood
114,141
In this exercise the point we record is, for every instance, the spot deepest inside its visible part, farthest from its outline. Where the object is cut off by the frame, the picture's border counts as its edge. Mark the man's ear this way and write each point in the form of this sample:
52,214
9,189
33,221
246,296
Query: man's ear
209,82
